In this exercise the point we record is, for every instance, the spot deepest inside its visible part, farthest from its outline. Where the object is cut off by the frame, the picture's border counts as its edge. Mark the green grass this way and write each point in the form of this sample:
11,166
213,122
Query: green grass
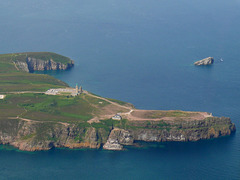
175,113
20,81
12,79
64,108
162,124
29,136
157,125
58,107
108,124
78,116
41,107
121,102
117,101
95,101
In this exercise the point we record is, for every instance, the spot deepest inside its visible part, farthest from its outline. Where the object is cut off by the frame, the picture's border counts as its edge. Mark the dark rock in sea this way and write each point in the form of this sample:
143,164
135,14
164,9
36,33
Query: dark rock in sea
206,61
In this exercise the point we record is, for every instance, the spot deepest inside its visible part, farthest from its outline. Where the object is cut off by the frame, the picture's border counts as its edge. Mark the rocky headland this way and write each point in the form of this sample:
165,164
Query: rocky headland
31,120
204,62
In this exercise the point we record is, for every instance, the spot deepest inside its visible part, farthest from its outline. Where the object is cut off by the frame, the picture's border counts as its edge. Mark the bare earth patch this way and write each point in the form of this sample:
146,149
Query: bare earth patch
132,114
155,115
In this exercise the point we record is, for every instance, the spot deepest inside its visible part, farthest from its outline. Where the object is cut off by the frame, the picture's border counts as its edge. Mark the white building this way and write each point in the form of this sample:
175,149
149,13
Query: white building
2,96
117,117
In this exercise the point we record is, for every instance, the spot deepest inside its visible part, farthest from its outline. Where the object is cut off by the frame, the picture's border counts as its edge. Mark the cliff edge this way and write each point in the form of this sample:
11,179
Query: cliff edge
40,61
32,136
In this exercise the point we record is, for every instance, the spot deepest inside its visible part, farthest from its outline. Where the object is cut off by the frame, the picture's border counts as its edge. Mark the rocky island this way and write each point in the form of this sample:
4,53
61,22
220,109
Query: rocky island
31,119
204,62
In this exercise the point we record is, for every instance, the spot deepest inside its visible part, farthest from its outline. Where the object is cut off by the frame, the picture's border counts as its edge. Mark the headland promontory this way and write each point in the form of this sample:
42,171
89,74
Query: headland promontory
39,112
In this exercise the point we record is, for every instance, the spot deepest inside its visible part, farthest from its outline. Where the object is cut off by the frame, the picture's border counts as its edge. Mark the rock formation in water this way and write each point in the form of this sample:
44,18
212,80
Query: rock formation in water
32,136
206,61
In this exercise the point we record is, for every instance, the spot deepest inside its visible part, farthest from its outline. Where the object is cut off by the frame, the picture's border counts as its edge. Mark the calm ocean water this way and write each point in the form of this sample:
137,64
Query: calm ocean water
140,52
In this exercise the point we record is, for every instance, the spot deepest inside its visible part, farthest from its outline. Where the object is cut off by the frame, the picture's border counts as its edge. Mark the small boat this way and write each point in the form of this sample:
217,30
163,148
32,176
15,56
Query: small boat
221,60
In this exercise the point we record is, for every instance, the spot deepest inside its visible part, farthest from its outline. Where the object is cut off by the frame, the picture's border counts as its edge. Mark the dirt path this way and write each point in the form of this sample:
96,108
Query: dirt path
30,120
138,113
116,104
34,121
132,114
96,119
23,92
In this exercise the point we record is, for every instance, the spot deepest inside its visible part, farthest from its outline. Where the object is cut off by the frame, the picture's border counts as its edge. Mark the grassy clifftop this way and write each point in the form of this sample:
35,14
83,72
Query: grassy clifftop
12,79
37,55
41,107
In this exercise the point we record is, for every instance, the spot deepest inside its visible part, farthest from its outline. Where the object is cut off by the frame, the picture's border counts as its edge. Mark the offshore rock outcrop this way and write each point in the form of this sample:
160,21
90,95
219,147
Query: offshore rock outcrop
206,61
33,64
32,136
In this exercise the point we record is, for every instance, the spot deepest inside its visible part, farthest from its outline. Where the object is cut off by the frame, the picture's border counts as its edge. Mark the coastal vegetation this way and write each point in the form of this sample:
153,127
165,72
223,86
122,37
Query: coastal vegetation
45,56
13,79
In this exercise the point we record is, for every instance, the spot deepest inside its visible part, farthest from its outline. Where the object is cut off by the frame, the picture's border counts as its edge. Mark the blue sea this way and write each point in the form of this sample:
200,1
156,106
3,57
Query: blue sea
141,52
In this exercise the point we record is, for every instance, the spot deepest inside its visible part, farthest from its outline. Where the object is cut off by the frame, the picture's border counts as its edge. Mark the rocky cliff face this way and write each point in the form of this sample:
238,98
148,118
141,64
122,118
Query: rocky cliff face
32,136
206,61
33,64
40,65
21,66
118,138
170,131
187,131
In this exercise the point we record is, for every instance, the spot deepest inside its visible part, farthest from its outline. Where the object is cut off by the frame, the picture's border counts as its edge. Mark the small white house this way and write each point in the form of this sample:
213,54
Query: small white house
117,117
2,96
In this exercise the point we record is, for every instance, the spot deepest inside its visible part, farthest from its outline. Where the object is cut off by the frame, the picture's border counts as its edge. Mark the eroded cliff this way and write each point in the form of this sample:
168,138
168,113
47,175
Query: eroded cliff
40,61
32,136
41,65
33,64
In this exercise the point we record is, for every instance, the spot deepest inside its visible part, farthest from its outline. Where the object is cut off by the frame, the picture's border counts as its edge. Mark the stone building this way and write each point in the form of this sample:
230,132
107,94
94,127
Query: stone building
61,91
